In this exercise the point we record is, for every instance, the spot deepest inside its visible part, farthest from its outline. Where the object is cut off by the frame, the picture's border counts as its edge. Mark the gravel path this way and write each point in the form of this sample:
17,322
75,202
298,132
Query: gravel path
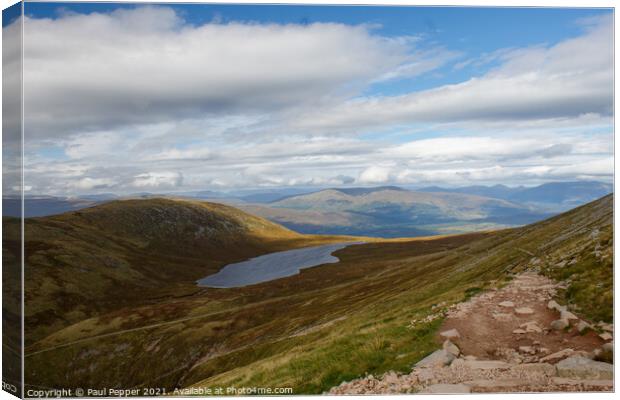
514,339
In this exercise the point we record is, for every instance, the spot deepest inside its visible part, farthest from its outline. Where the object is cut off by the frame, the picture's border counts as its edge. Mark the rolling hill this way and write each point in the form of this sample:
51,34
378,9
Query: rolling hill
82,263
310,331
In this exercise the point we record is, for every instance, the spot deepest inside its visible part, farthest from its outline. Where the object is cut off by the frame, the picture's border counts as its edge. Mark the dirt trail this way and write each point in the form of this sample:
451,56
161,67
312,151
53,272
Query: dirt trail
487,323
514,339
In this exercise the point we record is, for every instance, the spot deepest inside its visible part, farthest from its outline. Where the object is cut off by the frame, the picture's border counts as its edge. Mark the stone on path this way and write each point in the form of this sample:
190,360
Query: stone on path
531,326
507,304
605,336
583,326
553,305
524,311
450,334
447,388
608,347
519,331
451,348
559,324
584,368
557,355
439,358
527,349
568,315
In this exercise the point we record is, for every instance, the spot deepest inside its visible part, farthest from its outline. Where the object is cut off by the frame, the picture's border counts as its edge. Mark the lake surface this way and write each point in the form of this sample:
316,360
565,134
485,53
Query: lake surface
272,266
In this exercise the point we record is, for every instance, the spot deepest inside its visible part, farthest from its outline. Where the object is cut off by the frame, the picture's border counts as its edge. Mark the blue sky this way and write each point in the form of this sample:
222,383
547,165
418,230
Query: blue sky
161,98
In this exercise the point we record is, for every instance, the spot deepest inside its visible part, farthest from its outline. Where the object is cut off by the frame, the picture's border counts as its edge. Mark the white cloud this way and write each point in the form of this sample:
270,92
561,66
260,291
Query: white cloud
158,180
480,148
181,154
375,174
567,80
146,65
92,183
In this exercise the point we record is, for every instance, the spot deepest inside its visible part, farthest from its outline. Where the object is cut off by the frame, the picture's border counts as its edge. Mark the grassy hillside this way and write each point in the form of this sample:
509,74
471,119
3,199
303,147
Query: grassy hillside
131,252
327,324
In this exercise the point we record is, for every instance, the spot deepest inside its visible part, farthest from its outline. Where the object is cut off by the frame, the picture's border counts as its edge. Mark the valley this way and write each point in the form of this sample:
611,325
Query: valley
117,304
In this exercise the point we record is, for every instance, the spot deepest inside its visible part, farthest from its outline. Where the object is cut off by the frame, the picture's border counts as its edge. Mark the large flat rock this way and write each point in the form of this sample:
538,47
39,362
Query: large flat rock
584,368
439,358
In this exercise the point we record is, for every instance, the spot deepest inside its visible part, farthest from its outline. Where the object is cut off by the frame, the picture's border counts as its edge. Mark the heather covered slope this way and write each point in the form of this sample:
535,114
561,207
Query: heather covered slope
329,323
129,252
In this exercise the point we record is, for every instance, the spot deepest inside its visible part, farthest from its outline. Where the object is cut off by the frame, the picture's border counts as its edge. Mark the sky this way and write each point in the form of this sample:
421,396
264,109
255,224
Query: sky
132,98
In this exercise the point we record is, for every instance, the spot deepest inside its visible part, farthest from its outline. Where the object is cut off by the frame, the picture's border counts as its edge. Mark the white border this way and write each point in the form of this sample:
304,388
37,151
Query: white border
456,3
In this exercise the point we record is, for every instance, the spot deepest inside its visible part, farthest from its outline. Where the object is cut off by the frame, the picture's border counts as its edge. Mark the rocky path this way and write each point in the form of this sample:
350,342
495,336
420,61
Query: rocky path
515,339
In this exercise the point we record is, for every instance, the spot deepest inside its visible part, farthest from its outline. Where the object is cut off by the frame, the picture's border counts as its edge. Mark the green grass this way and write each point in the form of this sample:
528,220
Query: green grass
591,280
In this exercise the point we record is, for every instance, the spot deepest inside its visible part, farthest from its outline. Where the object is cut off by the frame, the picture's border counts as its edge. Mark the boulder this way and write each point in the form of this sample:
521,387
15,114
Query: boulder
507,304
606,336
451,348
447,388
438,358
608,347
560,324
450,334
524,311
584,368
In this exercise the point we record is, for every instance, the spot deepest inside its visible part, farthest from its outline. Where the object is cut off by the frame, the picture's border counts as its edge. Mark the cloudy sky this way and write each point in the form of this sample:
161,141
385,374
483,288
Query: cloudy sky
129,99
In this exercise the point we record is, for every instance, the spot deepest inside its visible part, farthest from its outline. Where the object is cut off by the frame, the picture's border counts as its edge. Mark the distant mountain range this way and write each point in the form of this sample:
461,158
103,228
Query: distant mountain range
392,212
385,211
553,197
